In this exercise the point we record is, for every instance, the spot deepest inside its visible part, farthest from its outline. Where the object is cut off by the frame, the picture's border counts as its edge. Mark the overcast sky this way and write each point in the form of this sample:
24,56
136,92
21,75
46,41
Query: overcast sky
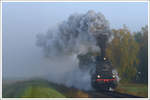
22,21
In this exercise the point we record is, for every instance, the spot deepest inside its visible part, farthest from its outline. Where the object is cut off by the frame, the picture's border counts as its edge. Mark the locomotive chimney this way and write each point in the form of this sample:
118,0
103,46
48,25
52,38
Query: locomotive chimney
101,42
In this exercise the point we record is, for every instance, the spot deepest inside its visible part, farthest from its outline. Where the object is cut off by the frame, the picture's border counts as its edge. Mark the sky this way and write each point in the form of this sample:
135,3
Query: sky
22,21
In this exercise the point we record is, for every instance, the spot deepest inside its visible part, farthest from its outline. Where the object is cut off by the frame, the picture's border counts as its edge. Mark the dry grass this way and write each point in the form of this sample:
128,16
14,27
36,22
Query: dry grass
81,94
134,89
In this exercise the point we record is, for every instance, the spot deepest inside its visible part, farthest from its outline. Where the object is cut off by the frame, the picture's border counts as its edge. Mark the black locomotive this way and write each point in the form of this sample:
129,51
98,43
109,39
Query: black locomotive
102,78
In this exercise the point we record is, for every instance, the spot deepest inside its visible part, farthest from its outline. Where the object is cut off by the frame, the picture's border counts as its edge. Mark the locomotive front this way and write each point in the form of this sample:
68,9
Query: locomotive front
104,78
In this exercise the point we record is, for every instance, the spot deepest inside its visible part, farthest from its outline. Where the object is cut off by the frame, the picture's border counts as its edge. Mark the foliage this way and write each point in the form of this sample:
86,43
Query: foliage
133,89
123,50
142,39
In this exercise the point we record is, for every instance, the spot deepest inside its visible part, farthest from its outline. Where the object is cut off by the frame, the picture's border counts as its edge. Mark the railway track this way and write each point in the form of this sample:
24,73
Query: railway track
110,94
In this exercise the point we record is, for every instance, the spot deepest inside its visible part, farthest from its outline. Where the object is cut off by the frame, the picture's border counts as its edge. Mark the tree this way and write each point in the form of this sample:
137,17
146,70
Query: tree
123,50
142,39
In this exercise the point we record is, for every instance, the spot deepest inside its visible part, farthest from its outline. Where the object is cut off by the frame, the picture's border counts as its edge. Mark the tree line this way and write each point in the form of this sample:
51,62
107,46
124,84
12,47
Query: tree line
128,52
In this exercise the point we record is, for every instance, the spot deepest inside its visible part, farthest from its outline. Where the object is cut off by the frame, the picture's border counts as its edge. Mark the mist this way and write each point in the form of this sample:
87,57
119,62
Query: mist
24,57
76,35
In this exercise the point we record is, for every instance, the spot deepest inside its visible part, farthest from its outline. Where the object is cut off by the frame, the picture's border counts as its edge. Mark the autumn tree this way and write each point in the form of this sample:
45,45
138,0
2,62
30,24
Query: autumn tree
122,50
142,39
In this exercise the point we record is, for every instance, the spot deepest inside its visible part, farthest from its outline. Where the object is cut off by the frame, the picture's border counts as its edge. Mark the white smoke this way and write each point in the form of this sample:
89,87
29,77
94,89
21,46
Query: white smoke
75,36
115,72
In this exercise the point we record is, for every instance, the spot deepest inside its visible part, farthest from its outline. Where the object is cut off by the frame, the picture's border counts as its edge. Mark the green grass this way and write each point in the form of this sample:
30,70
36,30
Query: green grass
31,89
40,89
41,92
134,89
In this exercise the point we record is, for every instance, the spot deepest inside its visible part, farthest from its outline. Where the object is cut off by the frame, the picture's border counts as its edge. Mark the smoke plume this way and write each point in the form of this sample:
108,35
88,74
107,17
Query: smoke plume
77,35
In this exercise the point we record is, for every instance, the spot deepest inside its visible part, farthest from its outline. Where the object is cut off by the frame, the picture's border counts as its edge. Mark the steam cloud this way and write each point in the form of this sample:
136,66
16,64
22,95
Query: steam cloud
72,37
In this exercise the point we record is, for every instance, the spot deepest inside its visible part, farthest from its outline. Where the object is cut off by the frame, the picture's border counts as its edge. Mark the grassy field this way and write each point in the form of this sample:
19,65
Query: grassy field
31,89
45,89
41,92
134,89
40,89
71,92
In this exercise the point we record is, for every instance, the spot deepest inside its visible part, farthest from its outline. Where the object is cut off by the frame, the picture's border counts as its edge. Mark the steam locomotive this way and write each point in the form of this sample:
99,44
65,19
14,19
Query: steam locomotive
104,78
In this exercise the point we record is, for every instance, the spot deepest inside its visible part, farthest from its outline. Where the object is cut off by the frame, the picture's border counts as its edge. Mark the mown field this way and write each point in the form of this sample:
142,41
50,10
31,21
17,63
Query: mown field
134,89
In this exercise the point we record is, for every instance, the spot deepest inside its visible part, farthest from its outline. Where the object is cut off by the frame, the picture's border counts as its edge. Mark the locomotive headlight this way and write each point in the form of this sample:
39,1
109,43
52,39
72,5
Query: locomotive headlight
98,76
104,58
113,76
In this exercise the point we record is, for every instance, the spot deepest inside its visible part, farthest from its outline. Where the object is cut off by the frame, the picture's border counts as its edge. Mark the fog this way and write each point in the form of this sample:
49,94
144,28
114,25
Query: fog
22,22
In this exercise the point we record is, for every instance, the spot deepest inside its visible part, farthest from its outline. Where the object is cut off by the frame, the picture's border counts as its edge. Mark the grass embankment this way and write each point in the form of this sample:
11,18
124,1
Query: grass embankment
70,92
133,89
31,89
40,89
41,92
